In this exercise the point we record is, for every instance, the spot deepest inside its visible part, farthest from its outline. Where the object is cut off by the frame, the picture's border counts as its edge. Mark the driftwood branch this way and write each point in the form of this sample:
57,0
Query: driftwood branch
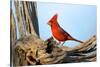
84,52
34,51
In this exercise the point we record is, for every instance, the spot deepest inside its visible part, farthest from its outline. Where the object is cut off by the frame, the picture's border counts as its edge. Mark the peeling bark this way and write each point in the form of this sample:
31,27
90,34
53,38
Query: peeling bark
35,51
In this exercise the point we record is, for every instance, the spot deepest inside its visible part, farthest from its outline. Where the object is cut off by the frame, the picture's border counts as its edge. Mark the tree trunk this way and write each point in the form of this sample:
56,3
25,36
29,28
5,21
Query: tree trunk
13,36
27,23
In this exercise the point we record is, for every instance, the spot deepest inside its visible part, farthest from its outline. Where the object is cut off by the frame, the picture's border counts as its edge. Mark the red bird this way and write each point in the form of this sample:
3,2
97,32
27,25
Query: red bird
59,33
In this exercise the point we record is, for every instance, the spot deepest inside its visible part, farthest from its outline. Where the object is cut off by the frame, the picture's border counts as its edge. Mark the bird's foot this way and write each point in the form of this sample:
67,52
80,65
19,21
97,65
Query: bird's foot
62,43
58,43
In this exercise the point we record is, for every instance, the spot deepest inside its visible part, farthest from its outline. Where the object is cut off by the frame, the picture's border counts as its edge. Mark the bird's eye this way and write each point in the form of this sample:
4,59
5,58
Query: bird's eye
51,21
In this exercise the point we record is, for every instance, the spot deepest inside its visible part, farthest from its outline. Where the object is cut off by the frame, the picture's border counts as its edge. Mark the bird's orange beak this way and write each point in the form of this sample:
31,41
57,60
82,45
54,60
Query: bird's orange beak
49,23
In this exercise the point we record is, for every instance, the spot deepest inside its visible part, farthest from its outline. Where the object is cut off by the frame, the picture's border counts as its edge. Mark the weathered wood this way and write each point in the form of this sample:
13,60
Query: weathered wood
25,28
31,50
13,36
36,52
27,23
83,52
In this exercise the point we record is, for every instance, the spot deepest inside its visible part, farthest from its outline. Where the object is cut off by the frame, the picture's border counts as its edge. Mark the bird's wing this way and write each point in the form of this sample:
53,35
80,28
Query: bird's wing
61,30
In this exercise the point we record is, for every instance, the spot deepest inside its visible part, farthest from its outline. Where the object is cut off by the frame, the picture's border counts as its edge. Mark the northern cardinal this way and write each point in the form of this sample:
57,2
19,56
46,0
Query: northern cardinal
58,32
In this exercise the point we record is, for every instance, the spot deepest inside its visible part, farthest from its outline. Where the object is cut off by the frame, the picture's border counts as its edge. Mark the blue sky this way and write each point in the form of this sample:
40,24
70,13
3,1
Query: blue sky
78,20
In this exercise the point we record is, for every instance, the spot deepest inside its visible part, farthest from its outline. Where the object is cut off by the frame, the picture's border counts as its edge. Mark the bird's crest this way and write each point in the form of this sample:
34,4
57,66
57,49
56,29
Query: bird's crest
53,19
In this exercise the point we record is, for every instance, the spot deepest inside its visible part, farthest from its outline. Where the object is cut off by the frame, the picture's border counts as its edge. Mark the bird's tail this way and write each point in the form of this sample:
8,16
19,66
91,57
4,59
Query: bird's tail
78,40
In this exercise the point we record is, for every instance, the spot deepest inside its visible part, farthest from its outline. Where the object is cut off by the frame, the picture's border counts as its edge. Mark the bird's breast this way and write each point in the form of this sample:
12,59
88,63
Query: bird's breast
58,35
